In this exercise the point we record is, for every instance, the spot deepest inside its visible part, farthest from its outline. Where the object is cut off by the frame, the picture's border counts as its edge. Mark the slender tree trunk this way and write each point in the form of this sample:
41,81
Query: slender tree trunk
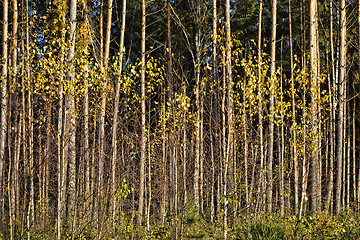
22,205
330,186
315,161
229,150
201,177
101,23
212,191
11,219
198,122
86,144
88,196
358,182
25,156
99,193
101,181
15,162
23,125
272,102
164,164
116,109
175,157
261,185
94,184
302,34
40,174
254,157
354,151
343,190
246,160
214,138
60,176
47,160
143,123
31,156
4,96
149,175
293,104
60,148
184,146
304,182
282,147
71,127
341,113
223,136
348,191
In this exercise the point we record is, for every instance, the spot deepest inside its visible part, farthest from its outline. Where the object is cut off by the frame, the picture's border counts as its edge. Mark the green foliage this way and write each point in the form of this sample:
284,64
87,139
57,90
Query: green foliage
326,227
160,232
264,230
196,226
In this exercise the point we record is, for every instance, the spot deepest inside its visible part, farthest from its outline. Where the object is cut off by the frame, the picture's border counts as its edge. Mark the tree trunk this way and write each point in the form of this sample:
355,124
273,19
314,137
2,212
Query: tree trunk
31,215
302,34
272,102
293,132
11,219
71,127
201,177
15,162
282,147
101,181
60,148
330,186
94,183
354,151
4,96
341,113
304,179
47,160
315,161
198,121
229,150
184,147
87,196
143,123
214,138
164,164
358,182
148,208
261,186
116,110
348,192
23,184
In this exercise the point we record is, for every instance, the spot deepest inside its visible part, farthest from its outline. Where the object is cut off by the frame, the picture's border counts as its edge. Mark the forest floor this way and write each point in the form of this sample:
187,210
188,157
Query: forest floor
266,226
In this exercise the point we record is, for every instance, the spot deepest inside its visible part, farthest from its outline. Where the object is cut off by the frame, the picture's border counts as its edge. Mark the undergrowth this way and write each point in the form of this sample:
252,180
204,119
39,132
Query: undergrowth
190,225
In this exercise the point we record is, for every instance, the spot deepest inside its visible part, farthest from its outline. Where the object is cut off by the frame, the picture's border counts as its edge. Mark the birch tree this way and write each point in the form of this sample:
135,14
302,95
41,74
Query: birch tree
71,121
